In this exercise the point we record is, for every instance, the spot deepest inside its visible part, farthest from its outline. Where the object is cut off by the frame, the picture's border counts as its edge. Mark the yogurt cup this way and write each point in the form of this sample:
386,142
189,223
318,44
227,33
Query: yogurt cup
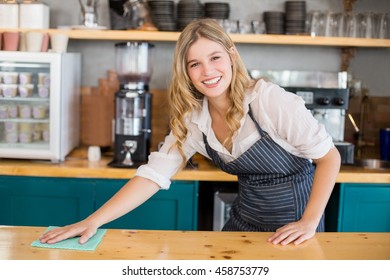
25,78
45,131
10,77
44,79
37,135
25,137
26,90
43,91
40,111
12,111
11,137
3,111
11,127
26,127
10,90
24,111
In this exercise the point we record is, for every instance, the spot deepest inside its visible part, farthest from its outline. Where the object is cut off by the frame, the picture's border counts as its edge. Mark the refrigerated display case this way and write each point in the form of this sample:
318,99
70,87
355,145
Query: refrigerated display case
39,104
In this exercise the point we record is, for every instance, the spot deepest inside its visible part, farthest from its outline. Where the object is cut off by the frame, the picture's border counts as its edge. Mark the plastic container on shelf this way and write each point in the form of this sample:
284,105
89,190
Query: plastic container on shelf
25,90
10,90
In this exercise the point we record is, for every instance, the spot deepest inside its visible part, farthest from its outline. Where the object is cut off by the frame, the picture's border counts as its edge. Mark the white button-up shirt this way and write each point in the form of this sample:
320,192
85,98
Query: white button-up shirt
281,114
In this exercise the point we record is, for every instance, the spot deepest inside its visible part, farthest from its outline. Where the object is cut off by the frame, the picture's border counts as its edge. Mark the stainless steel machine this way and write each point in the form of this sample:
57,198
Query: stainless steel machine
325,94
132,104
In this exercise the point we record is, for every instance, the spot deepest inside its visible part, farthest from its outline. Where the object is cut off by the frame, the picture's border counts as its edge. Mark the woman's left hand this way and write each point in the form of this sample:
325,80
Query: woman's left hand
295,233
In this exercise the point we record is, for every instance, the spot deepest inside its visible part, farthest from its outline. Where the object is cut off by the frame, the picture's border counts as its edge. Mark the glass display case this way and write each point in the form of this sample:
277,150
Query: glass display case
39,104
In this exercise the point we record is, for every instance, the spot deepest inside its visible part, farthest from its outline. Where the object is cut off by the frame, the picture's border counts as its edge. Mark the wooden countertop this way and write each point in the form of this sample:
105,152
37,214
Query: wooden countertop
198,245
76,165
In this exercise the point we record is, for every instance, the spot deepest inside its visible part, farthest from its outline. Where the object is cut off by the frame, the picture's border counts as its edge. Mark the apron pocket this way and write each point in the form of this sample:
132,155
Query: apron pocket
268,206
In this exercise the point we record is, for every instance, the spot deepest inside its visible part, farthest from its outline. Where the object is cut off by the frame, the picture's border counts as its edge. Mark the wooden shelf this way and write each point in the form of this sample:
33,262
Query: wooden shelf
162,36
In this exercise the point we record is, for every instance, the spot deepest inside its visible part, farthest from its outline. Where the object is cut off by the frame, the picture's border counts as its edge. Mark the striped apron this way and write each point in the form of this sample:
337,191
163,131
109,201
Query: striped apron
274,185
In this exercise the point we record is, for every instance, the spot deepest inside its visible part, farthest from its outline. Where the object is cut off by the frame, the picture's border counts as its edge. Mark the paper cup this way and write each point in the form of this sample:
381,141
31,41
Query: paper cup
34,41
59,42
11,41
94,153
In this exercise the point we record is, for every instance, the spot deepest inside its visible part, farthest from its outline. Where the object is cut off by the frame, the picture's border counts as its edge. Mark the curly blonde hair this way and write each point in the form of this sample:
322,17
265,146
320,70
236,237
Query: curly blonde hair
185,98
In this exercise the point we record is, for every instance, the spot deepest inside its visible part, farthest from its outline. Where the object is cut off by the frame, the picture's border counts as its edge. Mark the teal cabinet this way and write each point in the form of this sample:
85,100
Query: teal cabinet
45,201
171,209
364,208
38,201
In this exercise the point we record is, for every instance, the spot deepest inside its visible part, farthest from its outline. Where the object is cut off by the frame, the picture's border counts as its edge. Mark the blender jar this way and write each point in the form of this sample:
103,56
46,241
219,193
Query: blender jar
134,64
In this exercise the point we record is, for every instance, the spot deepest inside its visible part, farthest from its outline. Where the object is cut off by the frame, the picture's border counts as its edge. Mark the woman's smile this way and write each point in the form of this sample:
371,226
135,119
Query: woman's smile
212,82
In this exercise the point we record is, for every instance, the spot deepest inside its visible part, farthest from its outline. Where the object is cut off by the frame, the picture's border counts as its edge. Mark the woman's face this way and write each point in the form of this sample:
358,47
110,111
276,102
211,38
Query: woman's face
209,67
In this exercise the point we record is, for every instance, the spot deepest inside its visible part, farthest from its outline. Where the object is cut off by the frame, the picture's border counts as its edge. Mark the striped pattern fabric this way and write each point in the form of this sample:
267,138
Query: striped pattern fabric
274,185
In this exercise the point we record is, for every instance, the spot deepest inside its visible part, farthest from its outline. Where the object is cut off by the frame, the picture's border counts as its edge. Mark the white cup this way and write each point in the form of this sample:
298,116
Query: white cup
34,41
94,153
59,42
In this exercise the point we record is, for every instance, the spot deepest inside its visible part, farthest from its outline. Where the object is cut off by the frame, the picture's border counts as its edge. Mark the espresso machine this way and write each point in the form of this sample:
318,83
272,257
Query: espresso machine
132,104
326,95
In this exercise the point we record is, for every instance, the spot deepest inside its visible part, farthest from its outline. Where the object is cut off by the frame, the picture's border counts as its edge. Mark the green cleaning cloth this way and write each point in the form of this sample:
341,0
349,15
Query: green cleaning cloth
73,243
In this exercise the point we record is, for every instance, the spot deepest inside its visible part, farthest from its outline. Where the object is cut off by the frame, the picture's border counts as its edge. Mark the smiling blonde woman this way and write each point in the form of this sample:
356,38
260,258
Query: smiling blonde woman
285,161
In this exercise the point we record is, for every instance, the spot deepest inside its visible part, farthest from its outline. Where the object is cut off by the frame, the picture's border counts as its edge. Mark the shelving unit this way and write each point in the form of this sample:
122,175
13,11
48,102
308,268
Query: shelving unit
162,36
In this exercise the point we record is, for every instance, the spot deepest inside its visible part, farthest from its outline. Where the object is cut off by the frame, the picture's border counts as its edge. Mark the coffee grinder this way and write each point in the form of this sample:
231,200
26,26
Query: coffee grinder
132,104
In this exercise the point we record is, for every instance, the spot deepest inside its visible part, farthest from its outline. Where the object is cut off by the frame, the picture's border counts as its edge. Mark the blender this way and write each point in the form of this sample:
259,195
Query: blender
132,104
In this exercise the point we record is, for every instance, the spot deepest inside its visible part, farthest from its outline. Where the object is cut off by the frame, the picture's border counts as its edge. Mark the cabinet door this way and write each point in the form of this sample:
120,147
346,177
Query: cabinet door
173,209
364,208
38,201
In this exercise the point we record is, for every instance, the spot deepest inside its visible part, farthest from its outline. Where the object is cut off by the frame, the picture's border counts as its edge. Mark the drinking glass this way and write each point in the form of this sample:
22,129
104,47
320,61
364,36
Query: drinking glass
317,21
383,25
350,25
245,26
230,25
364,21
335,24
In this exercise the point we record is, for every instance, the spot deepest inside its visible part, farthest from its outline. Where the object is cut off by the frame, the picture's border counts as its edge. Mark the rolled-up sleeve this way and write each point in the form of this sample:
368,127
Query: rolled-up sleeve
160,168
164,164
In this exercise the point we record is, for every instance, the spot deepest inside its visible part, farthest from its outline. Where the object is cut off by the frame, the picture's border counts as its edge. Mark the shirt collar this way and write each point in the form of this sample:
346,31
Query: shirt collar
202,118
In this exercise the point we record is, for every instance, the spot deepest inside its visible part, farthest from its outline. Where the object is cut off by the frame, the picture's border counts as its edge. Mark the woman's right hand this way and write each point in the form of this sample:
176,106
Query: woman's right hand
130,196
84,229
